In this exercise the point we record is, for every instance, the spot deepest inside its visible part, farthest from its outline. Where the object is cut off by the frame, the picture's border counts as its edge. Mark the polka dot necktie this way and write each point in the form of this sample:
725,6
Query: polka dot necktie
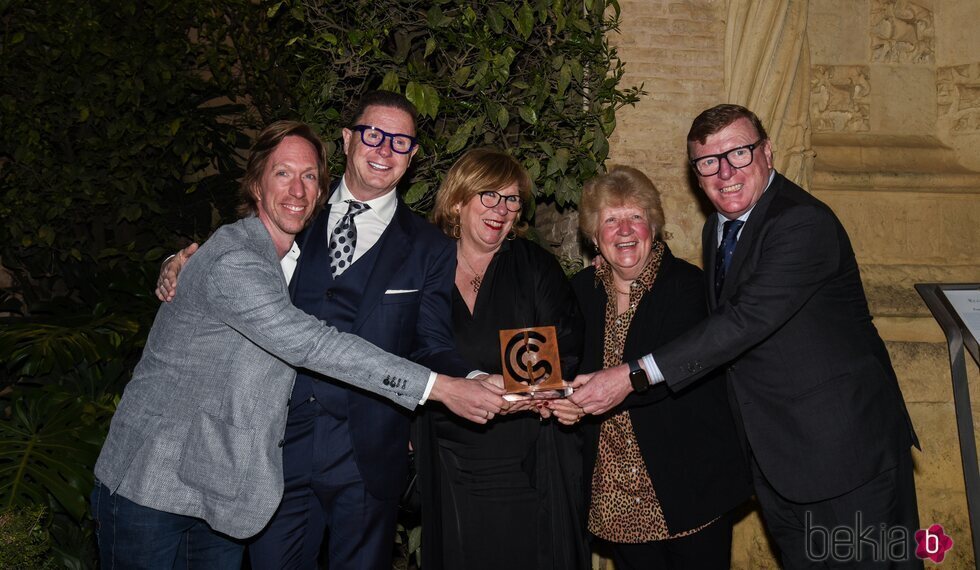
729,237
343,238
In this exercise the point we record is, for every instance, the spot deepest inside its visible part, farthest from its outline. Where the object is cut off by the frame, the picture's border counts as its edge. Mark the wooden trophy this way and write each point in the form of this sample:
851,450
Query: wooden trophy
531,367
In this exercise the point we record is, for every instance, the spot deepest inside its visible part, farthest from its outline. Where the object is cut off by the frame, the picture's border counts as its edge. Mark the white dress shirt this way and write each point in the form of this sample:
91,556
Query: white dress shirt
370,224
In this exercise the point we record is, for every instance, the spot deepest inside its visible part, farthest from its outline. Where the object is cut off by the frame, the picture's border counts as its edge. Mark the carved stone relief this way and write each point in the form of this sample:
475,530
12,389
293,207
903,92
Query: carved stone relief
902,32
840,98
958,95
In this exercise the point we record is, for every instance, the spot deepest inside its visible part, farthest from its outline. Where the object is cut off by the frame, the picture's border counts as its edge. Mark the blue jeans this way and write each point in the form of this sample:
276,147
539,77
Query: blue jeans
134,536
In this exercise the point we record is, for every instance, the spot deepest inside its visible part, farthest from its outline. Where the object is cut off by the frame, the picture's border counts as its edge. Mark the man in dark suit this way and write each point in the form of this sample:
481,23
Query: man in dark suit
823,419
345,453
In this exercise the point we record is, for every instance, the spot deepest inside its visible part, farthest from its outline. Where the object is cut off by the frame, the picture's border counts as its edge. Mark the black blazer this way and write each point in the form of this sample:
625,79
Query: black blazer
811,378
687,438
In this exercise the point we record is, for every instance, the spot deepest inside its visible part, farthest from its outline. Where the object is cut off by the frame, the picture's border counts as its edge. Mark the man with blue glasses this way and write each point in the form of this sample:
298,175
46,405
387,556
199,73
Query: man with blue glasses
371,267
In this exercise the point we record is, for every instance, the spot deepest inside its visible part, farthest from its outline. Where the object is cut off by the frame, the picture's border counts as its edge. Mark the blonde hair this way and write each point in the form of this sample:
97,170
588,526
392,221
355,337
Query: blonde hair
479,170
620,186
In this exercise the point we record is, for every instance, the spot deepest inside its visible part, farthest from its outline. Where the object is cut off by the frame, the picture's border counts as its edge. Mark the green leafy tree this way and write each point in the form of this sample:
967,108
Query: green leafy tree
537,78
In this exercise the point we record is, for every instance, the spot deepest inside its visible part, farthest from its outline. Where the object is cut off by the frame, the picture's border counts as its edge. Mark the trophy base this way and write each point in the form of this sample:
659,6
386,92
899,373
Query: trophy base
550,394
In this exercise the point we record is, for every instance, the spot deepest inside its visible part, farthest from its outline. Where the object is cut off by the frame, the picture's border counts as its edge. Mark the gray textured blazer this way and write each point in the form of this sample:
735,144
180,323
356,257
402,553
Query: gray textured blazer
199,428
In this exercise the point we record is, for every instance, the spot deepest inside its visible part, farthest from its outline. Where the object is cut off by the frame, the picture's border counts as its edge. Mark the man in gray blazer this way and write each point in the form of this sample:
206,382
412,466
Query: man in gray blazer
193,458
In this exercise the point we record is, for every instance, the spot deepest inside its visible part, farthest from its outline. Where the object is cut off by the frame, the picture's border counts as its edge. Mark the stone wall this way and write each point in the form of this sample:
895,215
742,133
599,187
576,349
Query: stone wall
895,125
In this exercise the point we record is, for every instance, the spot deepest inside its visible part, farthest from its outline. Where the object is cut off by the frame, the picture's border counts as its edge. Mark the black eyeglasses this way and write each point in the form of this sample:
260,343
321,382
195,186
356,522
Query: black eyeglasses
490,199
375,137
738,157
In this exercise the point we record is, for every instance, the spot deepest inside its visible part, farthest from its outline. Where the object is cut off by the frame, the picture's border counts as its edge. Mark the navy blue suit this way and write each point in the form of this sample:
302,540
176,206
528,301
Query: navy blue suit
397,296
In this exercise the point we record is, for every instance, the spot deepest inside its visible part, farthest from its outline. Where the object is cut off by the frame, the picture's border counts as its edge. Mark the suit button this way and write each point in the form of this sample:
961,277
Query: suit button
289,402
329,294
281,442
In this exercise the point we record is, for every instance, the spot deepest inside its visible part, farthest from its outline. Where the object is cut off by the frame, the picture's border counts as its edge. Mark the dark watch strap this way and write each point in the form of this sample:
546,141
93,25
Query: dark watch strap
638,377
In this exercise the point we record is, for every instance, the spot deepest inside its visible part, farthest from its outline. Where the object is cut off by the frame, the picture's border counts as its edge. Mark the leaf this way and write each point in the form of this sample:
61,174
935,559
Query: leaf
503,117
430,46
461,75
271,12
462,135
533,167
45,234
432,100
528,114
600,146
558,163
435,17
424,97
496,20
45,449
416,192
525,21
564,78
390,82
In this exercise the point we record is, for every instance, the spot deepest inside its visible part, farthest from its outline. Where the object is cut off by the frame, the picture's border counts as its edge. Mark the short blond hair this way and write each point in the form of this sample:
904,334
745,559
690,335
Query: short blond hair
479,170
620,186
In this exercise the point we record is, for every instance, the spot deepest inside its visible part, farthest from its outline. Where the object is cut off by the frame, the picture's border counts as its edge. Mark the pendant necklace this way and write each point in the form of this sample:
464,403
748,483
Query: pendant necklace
477,278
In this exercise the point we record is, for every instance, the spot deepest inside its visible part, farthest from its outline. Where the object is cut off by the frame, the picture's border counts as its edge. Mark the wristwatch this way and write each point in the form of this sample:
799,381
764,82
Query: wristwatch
638,377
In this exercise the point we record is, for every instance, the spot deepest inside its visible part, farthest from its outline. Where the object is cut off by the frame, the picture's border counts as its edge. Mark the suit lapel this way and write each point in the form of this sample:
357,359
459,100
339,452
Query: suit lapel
394,248
709,251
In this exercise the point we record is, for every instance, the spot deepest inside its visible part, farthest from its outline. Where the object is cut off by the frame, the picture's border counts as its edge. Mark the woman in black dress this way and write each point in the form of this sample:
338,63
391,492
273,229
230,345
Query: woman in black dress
507,494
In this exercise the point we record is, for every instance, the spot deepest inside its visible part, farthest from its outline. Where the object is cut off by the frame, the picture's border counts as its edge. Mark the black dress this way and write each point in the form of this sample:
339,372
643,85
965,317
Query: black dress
507,494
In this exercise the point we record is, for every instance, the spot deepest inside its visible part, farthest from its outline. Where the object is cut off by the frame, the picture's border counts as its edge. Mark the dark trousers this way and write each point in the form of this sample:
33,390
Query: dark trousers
708,549
872,526
324,492
132,536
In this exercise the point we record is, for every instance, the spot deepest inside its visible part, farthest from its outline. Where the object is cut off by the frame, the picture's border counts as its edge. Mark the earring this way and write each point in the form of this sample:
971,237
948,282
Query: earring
455,231
511,234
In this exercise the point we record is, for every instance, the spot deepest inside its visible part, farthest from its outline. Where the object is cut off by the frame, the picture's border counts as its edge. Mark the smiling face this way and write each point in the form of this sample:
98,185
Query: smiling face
486,228
734,191
288,190
374,171
625,238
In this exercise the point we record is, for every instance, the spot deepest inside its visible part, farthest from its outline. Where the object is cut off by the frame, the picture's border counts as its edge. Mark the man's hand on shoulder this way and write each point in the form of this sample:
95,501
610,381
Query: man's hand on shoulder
473,400
167,281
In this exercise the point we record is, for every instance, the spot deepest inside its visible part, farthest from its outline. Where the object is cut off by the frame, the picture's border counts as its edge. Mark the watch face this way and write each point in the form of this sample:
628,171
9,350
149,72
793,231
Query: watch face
638,378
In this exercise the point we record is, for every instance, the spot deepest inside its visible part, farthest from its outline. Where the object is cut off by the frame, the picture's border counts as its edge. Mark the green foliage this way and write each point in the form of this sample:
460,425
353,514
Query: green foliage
117,134
24,540
49,443
537,78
